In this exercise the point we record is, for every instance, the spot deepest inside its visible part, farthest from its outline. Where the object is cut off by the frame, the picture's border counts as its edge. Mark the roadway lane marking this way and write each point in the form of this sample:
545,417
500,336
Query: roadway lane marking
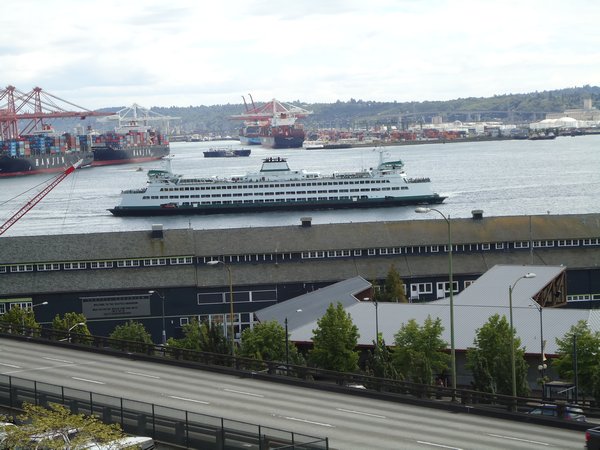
88,381
517,439
188,399
57,360
438,445
361,413
309,421
143,375
10,365
244,393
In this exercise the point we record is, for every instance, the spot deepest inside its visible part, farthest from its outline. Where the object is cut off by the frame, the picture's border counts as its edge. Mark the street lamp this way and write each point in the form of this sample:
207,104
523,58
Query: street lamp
542,366
164,331
512,333
423,210
214,262
23,315
80,324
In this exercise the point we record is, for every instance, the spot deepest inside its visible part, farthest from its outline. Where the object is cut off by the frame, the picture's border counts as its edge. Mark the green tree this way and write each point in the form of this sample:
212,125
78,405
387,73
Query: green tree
334,341
130,333
380,362
392,289
419,352
202,338
267,342
18,317
54,429
588,357
490,359
76,323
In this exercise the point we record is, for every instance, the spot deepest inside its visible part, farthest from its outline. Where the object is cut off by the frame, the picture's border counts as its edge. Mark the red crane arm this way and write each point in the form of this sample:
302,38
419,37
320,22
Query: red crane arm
39,196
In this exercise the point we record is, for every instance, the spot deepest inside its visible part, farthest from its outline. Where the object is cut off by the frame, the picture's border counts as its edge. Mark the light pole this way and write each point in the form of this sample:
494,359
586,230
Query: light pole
164,331
542,366
25,311
80,324
214,262
512,334
423,210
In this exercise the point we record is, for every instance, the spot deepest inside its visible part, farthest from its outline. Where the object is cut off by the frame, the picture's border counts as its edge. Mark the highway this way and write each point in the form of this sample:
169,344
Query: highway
350,422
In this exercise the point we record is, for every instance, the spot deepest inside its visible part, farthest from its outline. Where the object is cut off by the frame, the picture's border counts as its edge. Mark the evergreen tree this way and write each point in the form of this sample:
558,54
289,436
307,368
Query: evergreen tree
392,289
490,359
335,340
202,338
419,352
380,362
587,345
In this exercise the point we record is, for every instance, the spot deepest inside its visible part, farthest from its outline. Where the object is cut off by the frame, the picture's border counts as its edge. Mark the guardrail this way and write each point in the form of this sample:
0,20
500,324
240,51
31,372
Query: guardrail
171,426
484,403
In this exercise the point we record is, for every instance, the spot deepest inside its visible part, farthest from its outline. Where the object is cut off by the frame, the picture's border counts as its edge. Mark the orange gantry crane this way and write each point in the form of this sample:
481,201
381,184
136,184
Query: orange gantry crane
32,108
38,197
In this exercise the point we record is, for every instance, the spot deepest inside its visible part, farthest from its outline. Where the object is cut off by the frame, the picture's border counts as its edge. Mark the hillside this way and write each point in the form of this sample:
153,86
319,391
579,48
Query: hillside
514,108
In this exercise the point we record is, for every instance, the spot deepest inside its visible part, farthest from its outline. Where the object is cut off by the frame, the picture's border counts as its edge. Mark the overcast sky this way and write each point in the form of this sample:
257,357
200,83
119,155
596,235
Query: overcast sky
204,52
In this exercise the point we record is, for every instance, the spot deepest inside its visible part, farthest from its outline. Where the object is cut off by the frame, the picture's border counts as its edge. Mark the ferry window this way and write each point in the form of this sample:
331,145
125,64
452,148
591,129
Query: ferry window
499,245
434,248
357,252
322,192
372,252
395,188
184,321
568,243
485,246
74,266
591,241
521,245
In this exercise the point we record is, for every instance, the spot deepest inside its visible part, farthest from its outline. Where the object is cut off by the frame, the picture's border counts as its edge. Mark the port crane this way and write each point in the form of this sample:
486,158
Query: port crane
32,108
38,197
271,110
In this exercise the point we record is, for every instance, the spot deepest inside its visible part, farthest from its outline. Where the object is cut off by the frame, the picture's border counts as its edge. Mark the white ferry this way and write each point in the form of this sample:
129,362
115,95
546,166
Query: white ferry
276,187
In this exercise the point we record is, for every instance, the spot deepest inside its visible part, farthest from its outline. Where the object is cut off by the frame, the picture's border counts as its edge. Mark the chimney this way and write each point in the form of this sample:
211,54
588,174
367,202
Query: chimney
157,231
477,214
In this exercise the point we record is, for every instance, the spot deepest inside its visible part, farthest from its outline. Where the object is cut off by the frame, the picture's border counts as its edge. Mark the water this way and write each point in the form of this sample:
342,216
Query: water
502,178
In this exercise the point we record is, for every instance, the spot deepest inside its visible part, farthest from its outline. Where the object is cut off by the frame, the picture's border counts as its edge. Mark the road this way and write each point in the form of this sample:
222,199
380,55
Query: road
350,422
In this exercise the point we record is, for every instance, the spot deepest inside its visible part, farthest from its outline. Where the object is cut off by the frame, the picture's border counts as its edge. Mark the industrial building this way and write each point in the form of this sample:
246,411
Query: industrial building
162,277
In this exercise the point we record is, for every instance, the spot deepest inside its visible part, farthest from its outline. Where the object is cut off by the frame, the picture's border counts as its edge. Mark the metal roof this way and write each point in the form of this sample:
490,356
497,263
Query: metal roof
472,309
312,306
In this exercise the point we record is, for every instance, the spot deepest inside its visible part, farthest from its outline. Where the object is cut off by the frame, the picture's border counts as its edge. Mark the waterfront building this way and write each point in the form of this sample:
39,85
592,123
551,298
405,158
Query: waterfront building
108,276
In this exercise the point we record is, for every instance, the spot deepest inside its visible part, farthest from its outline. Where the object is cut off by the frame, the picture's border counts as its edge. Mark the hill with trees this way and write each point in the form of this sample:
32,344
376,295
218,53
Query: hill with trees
514,108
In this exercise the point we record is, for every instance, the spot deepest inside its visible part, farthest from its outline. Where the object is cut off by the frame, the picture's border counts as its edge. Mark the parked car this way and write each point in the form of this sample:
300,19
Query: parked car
129,442
568,412
592,439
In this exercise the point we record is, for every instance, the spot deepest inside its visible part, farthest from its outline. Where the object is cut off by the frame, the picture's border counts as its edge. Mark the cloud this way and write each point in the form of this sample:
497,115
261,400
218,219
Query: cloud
109,52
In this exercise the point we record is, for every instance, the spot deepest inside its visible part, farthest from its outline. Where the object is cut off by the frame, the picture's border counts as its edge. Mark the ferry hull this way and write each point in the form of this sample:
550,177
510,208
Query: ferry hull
240,208
106,155
282,141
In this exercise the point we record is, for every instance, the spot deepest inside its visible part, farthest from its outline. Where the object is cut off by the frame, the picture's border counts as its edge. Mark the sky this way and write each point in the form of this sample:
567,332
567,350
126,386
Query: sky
110,53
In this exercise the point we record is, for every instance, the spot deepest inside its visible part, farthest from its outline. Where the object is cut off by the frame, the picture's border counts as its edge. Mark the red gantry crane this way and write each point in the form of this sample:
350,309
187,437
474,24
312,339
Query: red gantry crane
32,108
37,198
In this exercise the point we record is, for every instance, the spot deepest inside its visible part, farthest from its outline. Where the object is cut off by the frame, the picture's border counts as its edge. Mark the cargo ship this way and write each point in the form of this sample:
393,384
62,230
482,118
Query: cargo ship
43,152
280,129
128,144
276,187
249,134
